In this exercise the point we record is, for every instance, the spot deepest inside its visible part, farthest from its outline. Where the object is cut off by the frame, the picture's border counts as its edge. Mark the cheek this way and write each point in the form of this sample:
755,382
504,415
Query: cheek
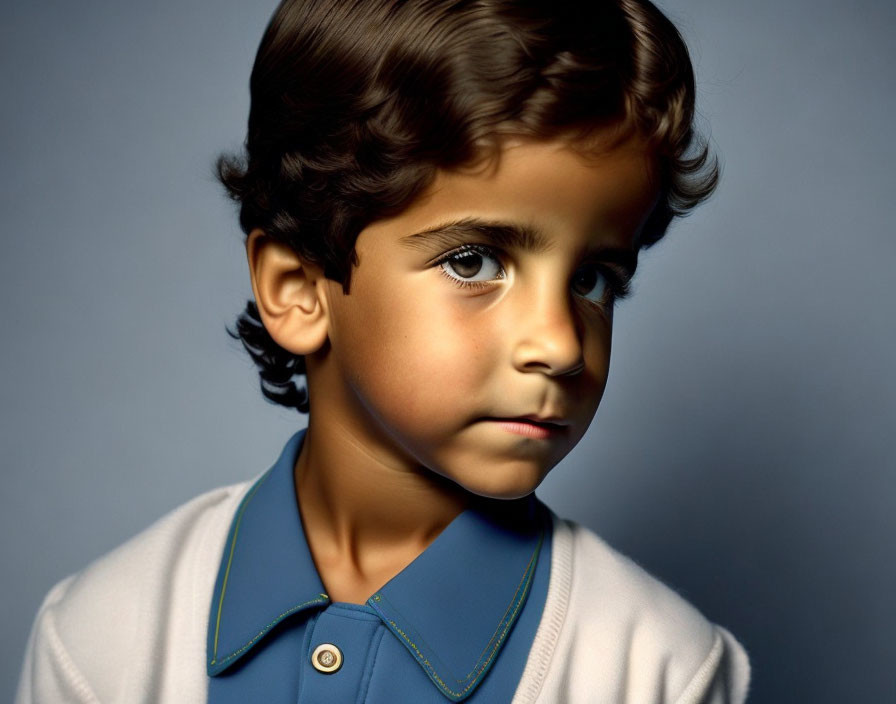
416,356
597,365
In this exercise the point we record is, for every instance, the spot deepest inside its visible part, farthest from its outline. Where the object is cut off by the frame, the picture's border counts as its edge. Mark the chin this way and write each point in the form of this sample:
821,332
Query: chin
507,490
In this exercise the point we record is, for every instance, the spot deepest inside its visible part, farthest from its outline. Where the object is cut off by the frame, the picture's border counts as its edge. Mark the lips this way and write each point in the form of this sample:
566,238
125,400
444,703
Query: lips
532,426
550,421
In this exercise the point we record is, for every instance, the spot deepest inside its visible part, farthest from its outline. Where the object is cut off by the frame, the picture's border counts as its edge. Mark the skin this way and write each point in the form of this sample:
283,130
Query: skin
419,378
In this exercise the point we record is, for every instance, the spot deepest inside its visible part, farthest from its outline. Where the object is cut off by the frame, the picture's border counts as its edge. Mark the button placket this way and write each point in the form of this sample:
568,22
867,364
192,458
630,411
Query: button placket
337,654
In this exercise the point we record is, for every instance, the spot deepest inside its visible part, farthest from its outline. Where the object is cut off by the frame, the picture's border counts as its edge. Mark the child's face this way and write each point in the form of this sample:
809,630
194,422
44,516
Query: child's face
453,345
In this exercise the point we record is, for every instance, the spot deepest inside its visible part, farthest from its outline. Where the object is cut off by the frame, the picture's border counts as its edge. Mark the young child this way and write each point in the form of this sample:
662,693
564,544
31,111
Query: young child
443,199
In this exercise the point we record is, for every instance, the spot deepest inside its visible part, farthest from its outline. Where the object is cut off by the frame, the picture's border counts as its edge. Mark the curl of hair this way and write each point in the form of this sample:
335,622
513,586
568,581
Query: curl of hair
355,105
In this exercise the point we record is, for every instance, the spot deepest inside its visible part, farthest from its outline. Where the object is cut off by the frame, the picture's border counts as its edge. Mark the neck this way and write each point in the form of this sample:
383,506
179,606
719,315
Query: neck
365,518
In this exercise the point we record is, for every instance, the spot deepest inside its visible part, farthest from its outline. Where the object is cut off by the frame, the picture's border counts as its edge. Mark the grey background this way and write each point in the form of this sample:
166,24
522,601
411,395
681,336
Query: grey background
743,451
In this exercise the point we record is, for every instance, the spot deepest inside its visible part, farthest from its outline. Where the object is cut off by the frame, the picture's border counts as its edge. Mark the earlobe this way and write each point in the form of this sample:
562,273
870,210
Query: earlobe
289,294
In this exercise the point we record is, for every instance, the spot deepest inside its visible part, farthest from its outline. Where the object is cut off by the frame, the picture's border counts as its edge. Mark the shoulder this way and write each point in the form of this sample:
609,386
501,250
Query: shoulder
611,628
100,632
603,577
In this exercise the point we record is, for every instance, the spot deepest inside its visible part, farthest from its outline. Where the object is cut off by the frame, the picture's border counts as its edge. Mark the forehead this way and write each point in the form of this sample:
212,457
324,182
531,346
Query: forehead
547,186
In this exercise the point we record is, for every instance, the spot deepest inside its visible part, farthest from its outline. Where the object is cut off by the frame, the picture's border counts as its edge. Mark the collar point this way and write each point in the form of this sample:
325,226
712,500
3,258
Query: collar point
214,668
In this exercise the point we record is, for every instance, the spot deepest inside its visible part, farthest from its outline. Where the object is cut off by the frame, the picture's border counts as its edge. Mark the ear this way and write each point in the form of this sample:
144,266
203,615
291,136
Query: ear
290,294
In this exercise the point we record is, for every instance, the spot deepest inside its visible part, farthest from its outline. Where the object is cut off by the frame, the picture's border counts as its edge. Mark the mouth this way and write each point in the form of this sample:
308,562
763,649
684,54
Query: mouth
532,426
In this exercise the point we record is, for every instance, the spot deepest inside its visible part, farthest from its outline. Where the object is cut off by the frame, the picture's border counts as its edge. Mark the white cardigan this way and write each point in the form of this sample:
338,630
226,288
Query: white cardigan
131,627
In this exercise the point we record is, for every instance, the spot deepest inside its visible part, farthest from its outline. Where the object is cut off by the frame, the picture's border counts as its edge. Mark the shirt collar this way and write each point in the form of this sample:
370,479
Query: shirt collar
452,607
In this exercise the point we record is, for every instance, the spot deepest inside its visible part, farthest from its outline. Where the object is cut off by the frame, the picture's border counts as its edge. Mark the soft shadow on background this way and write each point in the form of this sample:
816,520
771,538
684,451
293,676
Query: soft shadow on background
743,451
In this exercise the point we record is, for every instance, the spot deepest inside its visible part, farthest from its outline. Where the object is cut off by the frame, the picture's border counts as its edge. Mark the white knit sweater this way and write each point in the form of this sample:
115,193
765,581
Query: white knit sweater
131,627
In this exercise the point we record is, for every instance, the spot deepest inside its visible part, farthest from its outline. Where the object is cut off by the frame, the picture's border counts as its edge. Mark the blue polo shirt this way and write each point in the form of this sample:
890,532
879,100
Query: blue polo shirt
456,624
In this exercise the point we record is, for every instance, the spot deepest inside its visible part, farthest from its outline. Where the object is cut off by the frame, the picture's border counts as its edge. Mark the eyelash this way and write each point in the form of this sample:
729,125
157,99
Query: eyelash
618,285
475,248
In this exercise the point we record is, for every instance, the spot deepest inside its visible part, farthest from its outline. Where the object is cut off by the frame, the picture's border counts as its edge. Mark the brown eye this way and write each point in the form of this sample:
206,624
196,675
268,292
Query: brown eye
466,265
588,282
472,264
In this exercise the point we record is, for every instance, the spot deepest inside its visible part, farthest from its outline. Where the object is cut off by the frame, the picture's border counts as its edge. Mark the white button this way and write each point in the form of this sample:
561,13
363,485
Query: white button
326,658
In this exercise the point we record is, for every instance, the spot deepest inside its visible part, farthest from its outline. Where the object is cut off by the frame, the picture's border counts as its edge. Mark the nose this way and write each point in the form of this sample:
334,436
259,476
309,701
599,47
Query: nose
548,336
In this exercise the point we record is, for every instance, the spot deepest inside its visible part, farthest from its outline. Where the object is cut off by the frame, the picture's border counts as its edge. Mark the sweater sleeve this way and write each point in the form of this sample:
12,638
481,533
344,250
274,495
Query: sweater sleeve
49,674
723,677
131,626
610,632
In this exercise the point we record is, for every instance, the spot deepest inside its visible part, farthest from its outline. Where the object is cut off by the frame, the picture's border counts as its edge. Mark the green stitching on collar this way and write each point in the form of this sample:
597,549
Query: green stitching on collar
236,530
494,643
319,599
322,598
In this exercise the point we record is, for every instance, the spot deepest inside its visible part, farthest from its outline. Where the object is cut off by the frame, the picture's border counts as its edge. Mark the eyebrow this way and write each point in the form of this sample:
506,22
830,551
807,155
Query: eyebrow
506,235
495,233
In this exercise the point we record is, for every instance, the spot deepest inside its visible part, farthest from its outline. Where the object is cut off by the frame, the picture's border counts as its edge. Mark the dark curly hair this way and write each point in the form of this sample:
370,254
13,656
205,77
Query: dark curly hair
355,104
